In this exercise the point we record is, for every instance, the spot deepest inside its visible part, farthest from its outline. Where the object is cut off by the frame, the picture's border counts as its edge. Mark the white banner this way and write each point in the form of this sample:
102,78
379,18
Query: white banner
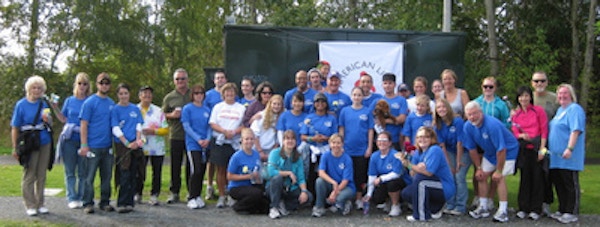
375,58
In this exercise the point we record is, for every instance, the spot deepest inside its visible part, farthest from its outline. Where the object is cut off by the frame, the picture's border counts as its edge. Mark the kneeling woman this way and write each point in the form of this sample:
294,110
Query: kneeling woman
432,179
244,178
335,184
287,185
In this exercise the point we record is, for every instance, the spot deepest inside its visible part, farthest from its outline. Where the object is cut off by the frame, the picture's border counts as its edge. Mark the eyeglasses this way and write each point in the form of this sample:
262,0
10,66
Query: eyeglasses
382,140
181,78
104,82
82,84
539,81
320,101
266,93
197,92
488,86
423,137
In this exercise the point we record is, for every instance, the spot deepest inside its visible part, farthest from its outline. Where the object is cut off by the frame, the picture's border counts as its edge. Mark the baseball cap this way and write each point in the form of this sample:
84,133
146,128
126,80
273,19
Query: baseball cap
146,87
403,87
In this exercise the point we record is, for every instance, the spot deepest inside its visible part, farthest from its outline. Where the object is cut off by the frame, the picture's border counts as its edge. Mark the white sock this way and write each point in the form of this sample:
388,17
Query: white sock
502,205
483,202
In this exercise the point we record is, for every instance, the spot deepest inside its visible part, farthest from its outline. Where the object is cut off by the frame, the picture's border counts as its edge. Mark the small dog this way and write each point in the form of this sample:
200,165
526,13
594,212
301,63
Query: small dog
382,113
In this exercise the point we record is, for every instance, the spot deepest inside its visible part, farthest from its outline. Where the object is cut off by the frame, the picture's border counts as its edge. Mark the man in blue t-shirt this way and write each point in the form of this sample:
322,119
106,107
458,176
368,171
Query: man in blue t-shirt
336,99
500,149
96,143
301,86
398,109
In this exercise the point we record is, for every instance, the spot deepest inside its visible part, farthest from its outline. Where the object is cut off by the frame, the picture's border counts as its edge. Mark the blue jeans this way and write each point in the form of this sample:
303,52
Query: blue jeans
276,190
324,188
74,164
103,161
459,200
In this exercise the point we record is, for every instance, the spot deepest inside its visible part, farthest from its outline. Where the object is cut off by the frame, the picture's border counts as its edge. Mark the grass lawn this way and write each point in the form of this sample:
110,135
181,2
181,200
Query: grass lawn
11,175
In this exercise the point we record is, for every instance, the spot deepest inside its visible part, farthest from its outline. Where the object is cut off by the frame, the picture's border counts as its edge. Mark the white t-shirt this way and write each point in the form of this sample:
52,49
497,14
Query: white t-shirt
266,137
229,117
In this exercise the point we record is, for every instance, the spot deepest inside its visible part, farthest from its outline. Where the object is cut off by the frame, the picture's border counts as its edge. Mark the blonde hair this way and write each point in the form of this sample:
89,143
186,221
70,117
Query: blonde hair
247,132
270,117
490,78
34,80
82,78
335,136
448,71
228,86
423,100
571,91
437,119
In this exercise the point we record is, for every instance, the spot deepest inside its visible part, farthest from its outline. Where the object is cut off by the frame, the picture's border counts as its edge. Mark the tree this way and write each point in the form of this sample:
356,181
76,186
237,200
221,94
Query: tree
588,68
490,11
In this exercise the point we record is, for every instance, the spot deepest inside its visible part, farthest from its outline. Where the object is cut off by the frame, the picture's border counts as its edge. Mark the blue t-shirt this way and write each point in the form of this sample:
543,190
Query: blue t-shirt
492,136
326,125
565,121
337,101
212,98
24,114
451,134
126,118
242,163
383,165
195,124
413,123
435,163
398,106
368,101
308,99
96,111
356,123
338,168
70,110
288,120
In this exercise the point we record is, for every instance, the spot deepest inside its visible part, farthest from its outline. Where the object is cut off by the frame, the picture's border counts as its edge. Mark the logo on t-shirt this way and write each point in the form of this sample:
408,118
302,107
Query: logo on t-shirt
327,124
388,166
133,114
341,166
395,106
452,129
245,169
363,117
485,135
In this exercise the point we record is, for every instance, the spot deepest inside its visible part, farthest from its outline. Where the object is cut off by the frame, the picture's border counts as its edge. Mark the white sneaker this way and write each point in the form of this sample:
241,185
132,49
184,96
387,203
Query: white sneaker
274,213
501,216
410,218
521,214
568,218
395,211
359,204
200,202
437,215
31,212
347,207
318,212
534,216
480,212
282,210
73,205
334,209
153,200
43,210
230,201
221,202
192,204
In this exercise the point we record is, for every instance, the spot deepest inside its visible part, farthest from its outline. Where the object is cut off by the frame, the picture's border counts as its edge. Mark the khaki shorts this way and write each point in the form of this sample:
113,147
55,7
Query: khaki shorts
509,167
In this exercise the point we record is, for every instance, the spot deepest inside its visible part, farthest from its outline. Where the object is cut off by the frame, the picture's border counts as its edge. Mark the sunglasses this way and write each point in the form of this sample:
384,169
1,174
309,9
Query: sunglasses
82,83
180,78
104,82
539,81
266,93
488,86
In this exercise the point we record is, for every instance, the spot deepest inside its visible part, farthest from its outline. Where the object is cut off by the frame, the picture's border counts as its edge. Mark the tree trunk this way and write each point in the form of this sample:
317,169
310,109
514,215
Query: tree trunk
33,36
588,62
492,41
575,52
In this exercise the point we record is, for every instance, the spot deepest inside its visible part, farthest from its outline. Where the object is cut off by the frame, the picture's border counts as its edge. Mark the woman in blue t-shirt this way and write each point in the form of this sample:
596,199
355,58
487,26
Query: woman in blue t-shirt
432,183
37,161
448,127
415,120
69,140
245,182
292,119
194,118
126,122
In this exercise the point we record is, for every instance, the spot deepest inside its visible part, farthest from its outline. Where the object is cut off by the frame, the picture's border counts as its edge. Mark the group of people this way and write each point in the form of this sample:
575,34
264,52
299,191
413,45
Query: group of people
317,146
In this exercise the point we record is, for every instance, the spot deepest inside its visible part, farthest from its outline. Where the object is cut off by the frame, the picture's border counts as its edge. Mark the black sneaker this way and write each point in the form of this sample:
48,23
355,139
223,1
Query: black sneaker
107,208
174,198
89,209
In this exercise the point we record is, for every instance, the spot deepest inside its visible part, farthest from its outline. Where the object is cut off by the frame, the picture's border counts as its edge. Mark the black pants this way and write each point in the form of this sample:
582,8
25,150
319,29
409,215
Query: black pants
548,190
250,199
380,194
126,170
426,195
156,163
177,154
531,187
197,163
566,183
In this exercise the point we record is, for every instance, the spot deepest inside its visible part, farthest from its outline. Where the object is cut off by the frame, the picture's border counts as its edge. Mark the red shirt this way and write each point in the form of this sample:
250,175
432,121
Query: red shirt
532,121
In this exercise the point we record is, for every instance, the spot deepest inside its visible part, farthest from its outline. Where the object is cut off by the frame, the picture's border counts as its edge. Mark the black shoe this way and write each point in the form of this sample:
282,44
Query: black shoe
174,198
107,208
89,209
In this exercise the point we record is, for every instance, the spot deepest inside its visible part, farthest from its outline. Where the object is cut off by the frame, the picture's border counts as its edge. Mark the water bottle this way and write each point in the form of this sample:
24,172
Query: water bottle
89,154
366,207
